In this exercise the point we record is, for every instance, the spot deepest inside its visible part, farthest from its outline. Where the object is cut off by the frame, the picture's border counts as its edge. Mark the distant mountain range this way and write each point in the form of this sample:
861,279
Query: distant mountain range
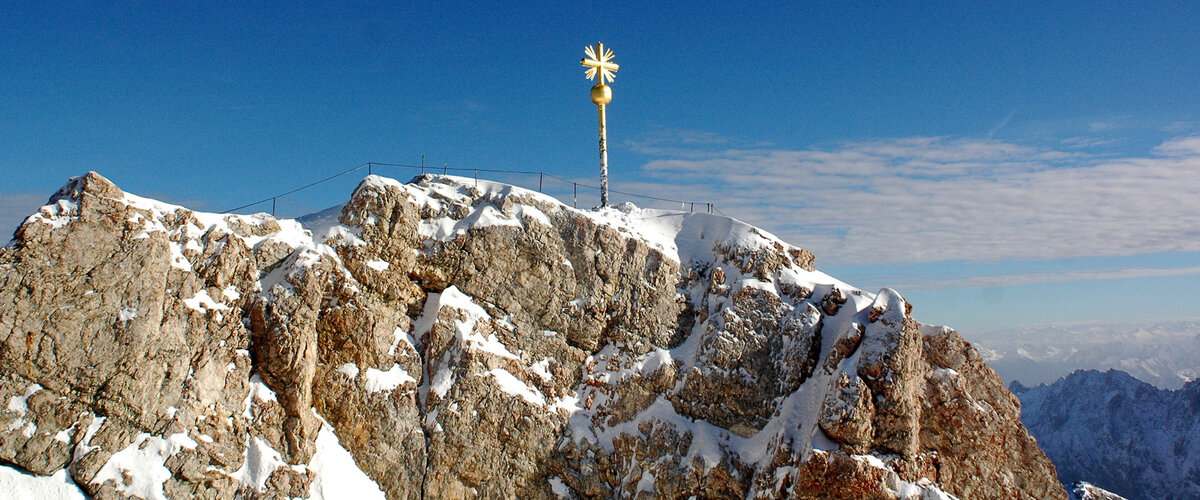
1164,354
1117,432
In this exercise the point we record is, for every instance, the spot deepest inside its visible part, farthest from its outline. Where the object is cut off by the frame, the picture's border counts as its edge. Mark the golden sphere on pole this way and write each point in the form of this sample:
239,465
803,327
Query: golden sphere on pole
601,94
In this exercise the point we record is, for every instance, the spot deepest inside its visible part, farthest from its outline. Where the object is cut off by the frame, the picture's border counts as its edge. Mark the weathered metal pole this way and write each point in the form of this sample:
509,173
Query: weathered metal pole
603,158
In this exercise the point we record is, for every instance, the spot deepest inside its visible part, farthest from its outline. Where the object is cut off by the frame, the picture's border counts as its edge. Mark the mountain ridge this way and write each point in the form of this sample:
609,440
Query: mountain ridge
464,338
1117,432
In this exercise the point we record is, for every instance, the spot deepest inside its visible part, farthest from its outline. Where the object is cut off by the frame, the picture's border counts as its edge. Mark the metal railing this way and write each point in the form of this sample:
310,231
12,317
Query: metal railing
445,169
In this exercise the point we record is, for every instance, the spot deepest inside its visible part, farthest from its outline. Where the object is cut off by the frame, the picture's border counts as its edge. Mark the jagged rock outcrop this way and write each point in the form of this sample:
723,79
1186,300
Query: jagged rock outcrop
123,331
452,338
1118,433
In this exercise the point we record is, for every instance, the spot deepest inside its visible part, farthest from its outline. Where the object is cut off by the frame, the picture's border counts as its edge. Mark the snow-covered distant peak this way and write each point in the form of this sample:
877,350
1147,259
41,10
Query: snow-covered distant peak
1084,490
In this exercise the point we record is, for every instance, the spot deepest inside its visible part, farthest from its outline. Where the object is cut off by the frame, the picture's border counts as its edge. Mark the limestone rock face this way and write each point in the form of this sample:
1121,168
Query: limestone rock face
459,339
123,331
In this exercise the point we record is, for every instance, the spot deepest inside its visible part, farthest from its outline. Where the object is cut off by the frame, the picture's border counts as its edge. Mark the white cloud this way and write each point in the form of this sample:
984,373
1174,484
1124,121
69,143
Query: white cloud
1111,124
1183,146
1042,277
1090,142
926,199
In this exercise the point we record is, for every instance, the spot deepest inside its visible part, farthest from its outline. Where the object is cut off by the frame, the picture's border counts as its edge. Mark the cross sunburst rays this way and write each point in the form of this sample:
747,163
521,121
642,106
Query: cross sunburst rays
599,63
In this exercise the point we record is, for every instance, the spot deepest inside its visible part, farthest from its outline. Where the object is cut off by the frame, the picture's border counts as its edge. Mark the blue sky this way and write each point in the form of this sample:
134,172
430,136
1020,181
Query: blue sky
1000,164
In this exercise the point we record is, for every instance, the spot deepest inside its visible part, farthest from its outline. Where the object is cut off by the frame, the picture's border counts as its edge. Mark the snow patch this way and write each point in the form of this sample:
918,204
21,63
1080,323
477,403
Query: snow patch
260,461
923,489
56,214
83,447
349,370
326,228
646,482
19,404
542,368
258,391
127,313
398,336
559,488
337,476
203,303
138,469
396,376
510,384
465,334
442,381
940,374
18,485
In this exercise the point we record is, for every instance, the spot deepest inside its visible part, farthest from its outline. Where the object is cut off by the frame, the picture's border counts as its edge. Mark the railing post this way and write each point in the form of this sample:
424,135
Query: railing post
689,206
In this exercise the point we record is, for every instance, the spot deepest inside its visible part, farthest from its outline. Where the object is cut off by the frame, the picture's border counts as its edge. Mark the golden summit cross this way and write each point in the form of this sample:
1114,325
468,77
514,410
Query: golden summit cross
600,67
599,63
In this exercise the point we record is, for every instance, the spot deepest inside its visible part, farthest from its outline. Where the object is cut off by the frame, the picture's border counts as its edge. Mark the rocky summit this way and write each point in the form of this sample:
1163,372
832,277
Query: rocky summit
453,338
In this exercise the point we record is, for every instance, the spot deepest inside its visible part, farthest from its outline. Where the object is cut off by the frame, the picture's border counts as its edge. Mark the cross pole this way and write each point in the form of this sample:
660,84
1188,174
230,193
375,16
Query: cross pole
600,66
